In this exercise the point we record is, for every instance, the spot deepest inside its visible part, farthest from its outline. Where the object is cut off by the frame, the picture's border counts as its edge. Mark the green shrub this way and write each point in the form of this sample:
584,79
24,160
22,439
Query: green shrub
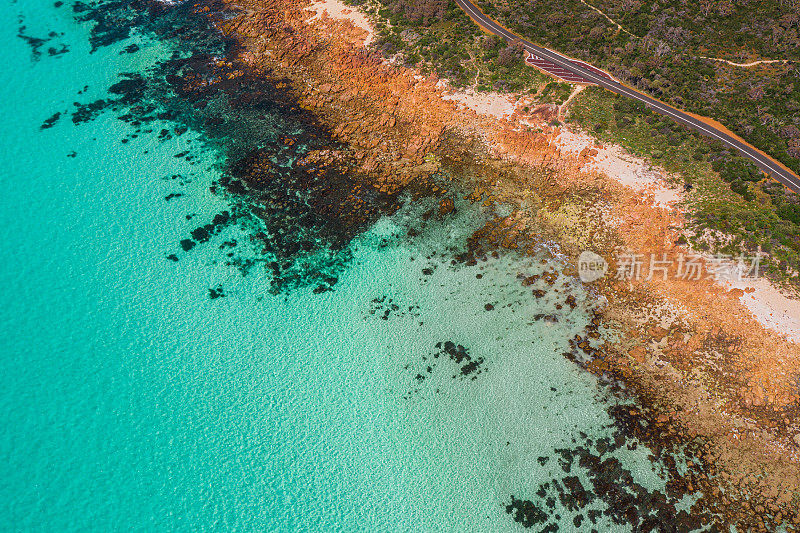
790,212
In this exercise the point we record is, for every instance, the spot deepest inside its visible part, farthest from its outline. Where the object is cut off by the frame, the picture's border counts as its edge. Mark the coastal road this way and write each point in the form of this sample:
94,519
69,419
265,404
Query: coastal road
764,162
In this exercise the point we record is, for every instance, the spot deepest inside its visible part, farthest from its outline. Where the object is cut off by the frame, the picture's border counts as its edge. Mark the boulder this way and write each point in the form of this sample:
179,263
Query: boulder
446,206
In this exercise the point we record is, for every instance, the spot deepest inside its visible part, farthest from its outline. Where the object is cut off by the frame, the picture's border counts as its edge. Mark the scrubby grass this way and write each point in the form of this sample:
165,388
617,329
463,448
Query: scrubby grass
744,213
555,93
451,45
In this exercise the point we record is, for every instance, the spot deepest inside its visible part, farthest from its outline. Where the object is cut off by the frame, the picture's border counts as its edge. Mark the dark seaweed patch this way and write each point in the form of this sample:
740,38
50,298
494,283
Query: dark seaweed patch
114,20
203,233
391,308
216,292
88,112
595,484
526,512
53,51
37,43
130,89
447,354
301,211
384,304
50,122
468,367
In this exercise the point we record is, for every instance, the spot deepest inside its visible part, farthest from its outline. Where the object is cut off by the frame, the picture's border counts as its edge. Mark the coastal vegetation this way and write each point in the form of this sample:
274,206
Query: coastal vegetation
664,51
734,208
437,36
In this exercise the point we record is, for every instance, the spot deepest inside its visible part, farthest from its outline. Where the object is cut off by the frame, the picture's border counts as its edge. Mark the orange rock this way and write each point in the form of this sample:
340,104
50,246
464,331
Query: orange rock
638,354
446,206
658,333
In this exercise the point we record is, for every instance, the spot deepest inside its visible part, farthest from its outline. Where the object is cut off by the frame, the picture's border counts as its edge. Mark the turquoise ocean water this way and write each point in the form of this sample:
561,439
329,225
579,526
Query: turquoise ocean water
134,401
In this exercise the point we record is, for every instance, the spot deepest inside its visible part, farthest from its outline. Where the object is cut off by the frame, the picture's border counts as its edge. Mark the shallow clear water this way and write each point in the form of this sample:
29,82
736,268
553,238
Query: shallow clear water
133,400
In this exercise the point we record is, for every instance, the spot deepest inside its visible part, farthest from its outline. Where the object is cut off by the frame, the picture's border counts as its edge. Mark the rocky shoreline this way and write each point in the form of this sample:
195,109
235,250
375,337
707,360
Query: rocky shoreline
707,374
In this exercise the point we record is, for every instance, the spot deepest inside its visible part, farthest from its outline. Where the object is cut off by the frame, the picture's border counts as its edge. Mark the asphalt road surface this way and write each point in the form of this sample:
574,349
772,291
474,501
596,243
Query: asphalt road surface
765,163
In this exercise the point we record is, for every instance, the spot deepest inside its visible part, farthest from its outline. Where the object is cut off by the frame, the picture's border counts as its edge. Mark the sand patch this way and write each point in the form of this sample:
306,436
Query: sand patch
338,10
498,105
631,171
772,308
